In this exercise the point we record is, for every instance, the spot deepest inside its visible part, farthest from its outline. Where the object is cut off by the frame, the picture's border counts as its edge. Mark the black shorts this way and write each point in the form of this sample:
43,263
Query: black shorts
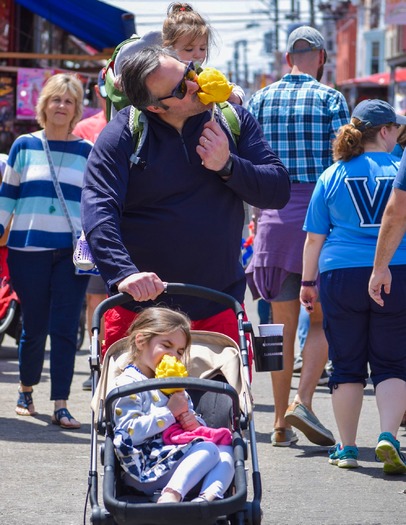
359,331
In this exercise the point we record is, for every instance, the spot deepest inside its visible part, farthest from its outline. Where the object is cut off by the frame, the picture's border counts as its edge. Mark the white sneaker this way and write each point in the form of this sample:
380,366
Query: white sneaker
82,257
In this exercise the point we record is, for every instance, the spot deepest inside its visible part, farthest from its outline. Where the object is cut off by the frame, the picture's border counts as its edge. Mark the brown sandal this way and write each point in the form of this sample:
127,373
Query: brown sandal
25,404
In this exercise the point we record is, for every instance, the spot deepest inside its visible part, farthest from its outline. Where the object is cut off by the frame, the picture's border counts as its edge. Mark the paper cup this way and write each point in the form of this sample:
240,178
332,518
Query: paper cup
270,329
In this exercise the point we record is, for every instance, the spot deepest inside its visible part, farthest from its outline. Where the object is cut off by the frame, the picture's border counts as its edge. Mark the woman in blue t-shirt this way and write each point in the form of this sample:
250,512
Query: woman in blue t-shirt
342,225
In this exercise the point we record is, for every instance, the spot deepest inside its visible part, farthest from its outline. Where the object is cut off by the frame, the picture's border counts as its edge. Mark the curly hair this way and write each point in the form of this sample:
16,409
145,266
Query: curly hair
59,85
351,139
183,21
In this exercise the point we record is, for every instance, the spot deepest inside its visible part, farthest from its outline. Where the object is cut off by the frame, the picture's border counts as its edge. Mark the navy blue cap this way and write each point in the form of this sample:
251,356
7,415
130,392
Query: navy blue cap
375,112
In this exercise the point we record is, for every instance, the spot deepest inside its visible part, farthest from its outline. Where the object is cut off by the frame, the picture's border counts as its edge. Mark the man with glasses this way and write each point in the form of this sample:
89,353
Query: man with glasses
177,214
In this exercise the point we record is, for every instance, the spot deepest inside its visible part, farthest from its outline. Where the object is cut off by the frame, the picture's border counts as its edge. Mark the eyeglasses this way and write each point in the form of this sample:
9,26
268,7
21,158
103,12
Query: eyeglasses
180,89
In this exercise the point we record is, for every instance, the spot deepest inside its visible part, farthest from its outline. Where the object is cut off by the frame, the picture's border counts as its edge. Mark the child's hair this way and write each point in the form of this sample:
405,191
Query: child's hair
157,320
182,20
350,140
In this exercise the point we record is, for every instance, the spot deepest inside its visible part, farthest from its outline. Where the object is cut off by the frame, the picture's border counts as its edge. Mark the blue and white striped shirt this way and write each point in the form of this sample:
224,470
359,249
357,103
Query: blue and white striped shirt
300,117
28,191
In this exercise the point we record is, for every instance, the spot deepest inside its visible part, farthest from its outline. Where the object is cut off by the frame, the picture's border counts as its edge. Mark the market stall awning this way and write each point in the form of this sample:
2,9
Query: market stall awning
96,23
378,79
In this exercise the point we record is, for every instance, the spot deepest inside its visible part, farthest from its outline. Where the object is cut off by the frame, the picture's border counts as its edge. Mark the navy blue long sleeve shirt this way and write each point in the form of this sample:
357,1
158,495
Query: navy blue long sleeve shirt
173,216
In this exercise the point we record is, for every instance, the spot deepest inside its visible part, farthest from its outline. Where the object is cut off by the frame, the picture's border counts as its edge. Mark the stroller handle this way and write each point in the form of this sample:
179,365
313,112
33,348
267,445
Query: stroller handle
171,289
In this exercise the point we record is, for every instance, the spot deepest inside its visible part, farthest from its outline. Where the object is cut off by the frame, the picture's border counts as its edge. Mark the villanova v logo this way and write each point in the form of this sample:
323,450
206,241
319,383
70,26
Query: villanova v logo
369,207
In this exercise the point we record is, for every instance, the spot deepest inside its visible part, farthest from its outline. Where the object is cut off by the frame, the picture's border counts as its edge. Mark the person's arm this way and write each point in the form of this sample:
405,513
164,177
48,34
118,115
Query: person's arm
132,420
392,230
237,95
311,254
106,182
257,176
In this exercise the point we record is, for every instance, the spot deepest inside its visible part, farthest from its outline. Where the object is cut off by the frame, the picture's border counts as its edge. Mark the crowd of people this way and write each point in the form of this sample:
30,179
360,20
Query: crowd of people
320,183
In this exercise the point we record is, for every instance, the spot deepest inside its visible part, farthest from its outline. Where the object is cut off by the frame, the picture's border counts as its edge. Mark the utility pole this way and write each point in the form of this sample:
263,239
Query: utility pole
312,17
237,45
276,13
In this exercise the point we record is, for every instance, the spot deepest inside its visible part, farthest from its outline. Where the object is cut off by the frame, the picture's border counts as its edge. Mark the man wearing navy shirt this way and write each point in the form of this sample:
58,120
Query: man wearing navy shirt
176,214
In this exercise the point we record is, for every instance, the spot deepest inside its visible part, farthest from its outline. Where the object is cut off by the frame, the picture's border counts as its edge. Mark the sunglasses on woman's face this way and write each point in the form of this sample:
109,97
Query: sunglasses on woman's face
180,89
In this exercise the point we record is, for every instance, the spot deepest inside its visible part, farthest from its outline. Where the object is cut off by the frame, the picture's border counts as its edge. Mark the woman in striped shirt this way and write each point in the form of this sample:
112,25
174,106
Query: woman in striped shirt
41,241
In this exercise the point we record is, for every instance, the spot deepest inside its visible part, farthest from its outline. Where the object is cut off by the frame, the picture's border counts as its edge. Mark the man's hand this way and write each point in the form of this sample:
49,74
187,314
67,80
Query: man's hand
378,279
213,148
142,286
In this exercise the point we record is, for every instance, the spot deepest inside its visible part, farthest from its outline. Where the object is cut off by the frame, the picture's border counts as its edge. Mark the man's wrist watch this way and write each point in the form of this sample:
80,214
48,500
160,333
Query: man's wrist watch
226,172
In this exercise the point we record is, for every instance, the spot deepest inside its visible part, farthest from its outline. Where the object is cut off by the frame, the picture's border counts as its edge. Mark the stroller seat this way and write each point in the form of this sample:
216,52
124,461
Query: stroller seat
219,385
212,356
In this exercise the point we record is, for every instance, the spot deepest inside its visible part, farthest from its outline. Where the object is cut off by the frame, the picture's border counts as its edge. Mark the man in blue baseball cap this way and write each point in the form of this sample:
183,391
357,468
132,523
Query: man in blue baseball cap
299,117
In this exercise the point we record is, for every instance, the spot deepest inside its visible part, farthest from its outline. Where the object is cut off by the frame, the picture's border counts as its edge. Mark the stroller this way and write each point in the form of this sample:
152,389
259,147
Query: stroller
10,314
219,385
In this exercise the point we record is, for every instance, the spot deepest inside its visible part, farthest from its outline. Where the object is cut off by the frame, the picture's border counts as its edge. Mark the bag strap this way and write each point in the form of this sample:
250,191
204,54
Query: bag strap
57,187
138,124
230,119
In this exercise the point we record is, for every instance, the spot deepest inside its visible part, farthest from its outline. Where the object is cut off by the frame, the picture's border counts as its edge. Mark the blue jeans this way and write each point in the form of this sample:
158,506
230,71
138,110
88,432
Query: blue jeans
51,298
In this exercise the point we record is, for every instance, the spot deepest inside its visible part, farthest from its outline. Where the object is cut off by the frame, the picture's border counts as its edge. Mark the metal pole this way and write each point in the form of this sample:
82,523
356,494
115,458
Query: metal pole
311,5
276,6
236,63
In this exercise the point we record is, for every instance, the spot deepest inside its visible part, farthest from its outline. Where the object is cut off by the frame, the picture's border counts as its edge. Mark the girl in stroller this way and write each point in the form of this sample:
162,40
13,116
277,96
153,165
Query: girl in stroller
149,460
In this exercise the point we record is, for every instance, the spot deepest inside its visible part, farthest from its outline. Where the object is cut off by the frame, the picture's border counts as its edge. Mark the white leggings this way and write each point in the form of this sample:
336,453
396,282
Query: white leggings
214,464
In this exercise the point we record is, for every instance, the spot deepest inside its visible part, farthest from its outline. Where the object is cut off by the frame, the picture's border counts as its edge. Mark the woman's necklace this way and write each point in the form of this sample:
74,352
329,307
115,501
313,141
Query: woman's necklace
52,208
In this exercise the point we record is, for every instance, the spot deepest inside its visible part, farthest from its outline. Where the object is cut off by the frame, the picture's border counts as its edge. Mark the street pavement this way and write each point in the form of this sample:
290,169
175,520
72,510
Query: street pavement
44,469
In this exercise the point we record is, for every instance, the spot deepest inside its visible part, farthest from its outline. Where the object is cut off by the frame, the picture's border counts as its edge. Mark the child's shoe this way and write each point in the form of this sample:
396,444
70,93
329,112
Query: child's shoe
343,457
82,257
388,451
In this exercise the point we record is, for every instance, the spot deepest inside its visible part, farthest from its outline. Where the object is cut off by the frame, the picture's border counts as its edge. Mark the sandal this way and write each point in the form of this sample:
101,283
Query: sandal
58,415
24,402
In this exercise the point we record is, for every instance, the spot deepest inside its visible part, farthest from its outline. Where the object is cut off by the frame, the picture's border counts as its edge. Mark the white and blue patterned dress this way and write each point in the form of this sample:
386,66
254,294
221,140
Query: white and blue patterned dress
140,420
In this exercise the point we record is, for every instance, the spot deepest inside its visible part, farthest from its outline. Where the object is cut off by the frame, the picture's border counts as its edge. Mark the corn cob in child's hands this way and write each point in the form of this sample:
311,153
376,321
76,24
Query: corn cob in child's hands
169,366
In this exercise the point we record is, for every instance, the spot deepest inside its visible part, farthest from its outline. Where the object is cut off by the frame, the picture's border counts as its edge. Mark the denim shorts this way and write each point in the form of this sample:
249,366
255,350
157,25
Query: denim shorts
364,338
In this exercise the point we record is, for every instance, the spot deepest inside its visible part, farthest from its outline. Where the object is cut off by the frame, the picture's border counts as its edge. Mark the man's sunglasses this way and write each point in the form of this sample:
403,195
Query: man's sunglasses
180,89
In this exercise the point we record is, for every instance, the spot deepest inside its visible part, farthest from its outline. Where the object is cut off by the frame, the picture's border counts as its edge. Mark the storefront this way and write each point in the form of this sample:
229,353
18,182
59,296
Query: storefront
39,38
380,85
